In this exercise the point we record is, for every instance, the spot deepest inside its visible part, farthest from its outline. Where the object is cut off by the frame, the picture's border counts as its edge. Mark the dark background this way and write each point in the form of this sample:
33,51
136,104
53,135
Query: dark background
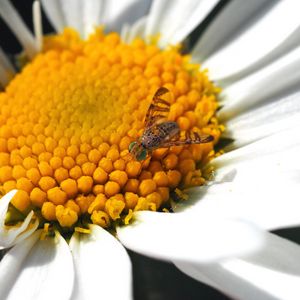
153,279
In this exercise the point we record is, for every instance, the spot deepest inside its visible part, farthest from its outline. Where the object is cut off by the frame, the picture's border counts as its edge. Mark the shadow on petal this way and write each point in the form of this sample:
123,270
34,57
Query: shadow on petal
32,269
102,266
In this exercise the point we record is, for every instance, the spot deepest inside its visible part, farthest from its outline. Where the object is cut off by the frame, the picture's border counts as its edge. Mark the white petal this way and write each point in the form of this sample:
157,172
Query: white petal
5,62
271,273
175,19
84,16
54,13
12,263
115,13
45,271
37,24
80,15
264,121
91,16
4,76
269,205
236,15
102,266
137,29
275,80
125,32
7,71
11,17
72,12
264,41
189,237
258,182
32,223
281,148
10,235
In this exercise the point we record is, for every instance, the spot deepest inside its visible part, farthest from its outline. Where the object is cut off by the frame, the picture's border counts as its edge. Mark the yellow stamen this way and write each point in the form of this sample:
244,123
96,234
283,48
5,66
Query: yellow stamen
114,207
45,231
180,195
128,217
65,216
82,230
100,218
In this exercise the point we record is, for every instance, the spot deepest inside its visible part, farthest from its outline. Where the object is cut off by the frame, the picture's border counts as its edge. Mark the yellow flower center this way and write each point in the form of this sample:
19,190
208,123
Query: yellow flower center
68,118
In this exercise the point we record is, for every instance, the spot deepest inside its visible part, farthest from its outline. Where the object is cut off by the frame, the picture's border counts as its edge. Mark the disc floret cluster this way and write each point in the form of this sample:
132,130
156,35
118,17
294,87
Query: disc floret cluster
68,118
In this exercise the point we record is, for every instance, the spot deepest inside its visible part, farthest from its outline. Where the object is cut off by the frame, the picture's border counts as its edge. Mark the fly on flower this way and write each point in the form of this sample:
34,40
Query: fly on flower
161,133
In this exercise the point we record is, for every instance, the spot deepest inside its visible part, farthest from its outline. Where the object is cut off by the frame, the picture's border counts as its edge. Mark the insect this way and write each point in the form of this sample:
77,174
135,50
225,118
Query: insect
161,133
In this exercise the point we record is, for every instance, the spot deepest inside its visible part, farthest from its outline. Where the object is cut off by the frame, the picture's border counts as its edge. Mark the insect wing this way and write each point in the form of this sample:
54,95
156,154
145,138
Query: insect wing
158,109
188,138
158,112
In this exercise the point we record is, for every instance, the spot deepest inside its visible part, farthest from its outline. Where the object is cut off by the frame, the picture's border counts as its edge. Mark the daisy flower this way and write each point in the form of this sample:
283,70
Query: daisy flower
68,117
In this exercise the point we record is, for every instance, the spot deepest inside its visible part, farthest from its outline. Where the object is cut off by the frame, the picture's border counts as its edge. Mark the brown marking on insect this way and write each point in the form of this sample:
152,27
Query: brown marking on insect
161,133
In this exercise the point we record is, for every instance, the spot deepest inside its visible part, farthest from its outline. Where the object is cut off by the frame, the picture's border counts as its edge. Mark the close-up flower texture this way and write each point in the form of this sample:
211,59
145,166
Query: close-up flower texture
164,129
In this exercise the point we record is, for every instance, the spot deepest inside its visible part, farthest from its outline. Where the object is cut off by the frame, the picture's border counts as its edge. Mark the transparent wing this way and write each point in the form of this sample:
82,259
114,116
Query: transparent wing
158,109
187,138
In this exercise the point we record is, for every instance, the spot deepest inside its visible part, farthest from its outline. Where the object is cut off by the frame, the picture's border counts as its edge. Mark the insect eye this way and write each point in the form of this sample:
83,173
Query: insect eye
142,155
131,145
